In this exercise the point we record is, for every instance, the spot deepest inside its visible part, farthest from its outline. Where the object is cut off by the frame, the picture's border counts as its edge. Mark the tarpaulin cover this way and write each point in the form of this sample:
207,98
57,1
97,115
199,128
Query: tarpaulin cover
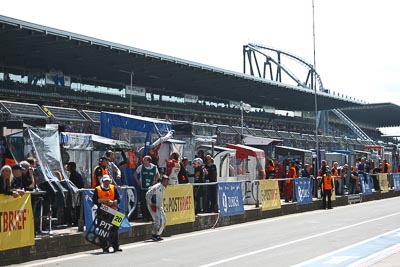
82,141
43,144
242,151
136,130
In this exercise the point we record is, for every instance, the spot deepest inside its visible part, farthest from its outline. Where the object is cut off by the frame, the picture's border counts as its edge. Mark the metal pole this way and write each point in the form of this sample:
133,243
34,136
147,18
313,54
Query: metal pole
315,93
130,96
241,113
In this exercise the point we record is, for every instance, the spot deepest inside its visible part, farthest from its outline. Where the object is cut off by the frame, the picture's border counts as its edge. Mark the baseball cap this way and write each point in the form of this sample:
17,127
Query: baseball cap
106,177
199,160
17,167
103,158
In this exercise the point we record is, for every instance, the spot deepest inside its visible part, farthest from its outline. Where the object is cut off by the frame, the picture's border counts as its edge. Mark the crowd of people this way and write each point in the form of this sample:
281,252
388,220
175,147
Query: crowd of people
339,179
18,178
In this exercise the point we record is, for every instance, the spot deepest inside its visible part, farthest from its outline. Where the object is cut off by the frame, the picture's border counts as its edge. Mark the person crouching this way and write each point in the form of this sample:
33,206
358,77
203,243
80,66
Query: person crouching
154,199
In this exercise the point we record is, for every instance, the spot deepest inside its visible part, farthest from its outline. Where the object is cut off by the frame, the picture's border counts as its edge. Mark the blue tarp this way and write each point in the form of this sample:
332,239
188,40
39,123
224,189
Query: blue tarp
113,124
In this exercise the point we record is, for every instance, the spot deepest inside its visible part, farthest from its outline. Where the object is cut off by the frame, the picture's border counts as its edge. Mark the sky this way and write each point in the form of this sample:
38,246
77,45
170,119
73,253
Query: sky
356,41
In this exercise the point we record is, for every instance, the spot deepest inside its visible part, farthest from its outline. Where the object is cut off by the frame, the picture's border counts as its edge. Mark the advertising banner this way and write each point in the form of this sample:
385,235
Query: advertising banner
16,222
302,187
383,182
270,196
179,204
396,181
230,198
366,183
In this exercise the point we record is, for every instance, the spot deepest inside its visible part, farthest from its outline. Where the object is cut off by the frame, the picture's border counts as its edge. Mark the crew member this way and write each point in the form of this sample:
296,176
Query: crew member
146,175
106,194
288,189
183,173
99,171
155,199
112,168
327,187
173,167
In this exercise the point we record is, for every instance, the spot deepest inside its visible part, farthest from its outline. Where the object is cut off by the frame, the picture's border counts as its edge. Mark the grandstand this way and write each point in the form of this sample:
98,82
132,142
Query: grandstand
65,78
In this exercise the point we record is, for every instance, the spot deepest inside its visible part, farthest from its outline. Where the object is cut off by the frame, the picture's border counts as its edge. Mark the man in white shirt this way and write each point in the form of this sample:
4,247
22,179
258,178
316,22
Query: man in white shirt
113,169
155,199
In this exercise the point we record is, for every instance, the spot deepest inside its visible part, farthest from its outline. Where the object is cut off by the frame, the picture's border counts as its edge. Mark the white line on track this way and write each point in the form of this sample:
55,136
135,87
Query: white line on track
207,231
295,241
352,246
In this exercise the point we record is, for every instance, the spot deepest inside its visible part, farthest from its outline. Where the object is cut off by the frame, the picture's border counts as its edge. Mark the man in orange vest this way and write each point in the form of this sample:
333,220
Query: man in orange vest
106,194
288,189
99,171
327,186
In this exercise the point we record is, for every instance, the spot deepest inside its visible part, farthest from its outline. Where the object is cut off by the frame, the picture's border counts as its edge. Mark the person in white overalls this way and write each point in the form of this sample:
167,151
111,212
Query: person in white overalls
154,199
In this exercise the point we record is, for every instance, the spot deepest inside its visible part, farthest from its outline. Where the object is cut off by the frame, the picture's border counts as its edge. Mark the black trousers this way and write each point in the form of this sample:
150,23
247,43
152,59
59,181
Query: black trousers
327,194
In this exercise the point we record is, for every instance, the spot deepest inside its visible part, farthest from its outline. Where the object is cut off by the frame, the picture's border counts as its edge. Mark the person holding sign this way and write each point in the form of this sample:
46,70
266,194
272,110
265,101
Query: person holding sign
155,199
107,195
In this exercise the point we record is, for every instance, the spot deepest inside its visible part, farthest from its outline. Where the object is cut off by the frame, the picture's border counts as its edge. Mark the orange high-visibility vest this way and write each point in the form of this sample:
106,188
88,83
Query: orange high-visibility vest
291,173
327,182
132,160
107,194
103,172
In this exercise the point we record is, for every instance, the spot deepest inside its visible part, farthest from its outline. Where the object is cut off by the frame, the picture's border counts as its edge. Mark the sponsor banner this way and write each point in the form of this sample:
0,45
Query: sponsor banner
178,204
366,183
234,104
383,182
58,79
135,90
230,198
270,196
302,187
191,98
90,211
396,181
16,222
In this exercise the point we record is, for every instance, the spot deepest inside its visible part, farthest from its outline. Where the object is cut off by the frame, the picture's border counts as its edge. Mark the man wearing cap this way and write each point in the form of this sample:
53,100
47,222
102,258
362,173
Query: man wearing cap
106,194
99,171
327,187
21,181
155,199
112,168
198,193
183,173
146,175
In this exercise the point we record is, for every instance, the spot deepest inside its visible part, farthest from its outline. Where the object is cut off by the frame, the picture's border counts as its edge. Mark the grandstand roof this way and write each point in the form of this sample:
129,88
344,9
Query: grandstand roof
26,46
378,115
